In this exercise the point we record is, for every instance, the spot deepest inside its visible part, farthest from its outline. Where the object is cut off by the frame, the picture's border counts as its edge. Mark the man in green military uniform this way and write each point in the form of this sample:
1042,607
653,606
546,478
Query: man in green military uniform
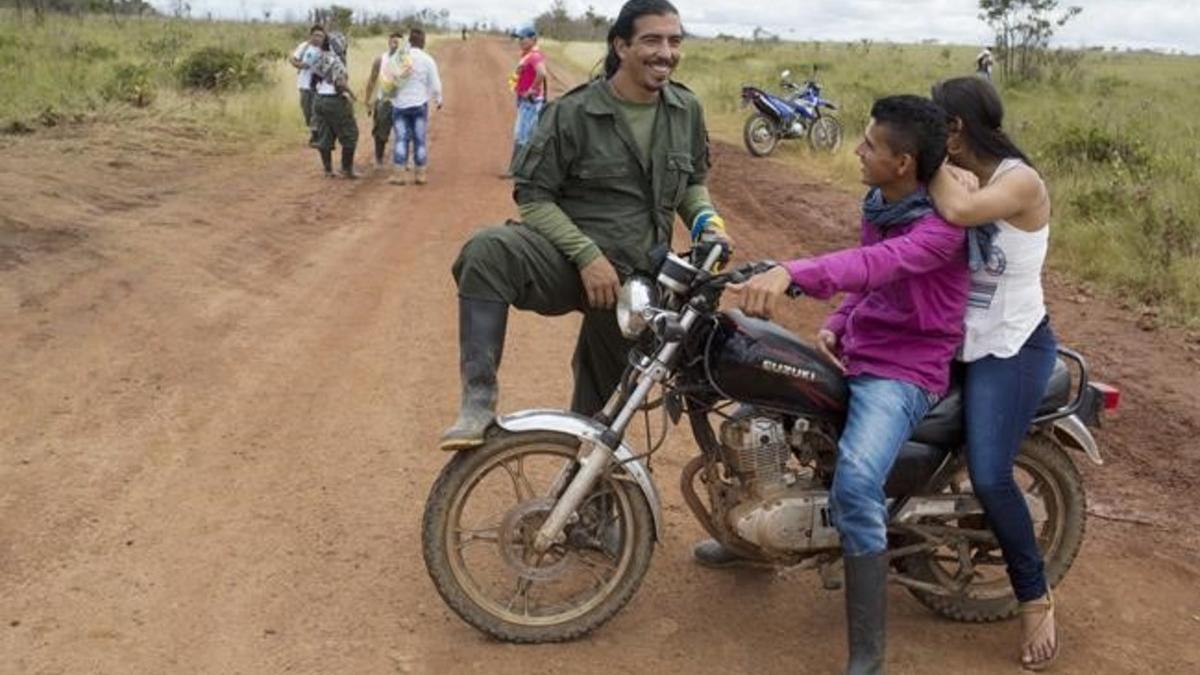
598,187
333,112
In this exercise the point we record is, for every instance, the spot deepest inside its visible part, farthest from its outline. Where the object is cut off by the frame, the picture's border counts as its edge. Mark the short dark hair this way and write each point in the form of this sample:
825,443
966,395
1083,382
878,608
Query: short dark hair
623,26
396,34
316,27
416,38
916,126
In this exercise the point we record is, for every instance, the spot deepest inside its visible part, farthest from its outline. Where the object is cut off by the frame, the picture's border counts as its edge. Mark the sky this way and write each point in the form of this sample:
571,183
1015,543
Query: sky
1140,24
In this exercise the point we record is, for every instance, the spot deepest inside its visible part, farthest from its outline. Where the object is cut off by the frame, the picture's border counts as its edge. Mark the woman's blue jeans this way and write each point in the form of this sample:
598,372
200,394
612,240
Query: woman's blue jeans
1002,396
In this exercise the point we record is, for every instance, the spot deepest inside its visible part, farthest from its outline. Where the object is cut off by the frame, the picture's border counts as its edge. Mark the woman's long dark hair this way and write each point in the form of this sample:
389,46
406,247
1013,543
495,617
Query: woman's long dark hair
623,27
976,102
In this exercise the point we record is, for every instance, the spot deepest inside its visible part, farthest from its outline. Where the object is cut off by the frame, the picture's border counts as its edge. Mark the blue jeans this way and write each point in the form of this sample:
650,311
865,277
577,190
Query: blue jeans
527,119
410,125
1002,396
883,414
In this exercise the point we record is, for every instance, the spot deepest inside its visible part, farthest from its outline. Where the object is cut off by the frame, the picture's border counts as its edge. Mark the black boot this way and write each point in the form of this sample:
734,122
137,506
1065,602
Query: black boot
327,162
348,163
380,146
481,328
866,612
712,553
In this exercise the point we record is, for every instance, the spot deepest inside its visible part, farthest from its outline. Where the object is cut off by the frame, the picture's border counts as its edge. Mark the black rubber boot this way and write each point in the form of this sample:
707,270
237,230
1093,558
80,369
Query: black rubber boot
348,163
866,613
327,162
481,328
380,146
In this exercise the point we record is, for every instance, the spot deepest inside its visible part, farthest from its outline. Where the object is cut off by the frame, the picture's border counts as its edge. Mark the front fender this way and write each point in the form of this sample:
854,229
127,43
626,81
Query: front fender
579,426
1072,432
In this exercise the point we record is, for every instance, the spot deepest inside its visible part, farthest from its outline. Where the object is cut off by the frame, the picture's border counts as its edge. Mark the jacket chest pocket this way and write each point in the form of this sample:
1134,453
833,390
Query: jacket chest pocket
676,178
602,171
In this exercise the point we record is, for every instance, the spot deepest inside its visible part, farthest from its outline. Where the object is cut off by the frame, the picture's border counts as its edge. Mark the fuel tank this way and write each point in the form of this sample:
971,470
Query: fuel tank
760,363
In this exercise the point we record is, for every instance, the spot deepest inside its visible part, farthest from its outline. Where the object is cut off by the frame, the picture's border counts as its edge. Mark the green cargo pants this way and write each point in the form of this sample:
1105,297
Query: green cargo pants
333,117
306,106
515,265
382,128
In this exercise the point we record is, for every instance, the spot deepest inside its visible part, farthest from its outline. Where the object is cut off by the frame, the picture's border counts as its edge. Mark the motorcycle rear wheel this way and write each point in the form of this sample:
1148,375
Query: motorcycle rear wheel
760,135
608,546
1059,538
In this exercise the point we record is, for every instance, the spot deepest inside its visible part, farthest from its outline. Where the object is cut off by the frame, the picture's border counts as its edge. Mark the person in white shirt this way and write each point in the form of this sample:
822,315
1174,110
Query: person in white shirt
410,110
983,63
389,70
303,58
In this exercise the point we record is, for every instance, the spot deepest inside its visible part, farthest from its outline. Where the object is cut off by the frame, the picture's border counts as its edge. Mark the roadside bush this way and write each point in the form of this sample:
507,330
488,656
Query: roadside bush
132,84
91,51
1096,145
218,69
166,48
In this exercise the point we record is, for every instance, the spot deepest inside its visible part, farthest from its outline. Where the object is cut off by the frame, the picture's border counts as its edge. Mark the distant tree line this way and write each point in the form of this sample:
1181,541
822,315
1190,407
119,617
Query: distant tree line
39,8
558,24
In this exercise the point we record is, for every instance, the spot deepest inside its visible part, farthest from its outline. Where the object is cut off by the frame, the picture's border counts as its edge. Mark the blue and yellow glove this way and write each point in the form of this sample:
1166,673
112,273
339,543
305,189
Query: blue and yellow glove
707,221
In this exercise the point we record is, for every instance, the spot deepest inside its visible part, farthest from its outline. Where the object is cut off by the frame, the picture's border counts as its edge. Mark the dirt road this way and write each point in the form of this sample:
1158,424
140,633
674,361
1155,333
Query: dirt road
225,378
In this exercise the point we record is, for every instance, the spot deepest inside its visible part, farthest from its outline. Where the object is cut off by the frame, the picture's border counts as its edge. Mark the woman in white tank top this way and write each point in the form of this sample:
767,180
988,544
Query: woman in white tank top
1008,347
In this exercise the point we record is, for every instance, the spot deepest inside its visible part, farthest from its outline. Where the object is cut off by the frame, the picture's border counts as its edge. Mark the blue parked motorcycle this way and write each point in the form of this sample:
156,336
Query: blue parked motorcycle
801,114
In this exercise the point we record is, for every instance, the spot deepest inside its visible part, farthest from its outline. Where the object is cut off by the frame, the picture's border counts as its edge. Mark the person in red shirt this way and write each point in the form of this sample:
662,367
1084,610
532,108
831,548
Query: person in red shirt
528,82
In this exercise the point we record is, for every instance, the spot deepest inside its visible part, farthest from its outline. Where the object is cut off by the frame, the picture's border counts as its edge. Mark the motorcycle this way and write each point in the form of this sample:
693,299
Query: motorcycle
546,531
801,114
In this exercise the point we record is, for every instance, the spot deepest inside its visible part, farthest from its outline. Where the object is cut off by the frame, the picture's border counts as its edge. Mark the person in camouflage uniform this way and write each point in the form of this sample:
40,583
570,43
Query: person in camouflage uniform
333,112
599,185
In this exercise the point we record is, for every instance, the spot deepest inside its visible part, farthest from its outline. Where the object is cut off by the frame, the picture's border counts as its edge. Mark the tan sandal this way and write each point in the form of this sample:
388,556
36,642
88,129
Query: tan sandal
1045,607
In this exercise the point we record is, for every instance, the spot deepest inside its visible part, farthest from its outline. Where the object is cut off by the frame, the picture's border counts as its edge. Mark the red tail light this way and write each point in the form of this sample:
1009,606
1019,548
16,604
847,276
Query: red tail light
1111,395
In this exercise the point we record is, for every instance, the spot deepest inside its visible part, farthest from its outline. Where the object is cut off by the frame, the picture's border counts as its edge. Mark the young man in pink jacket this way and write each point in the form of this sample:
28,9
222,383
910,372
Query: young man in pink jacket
894,336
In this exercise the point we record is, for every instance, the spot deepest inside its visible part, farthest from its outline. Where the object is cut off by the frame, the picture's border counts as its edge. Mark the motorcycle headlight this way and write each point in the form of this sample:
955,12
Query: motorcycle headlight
637,296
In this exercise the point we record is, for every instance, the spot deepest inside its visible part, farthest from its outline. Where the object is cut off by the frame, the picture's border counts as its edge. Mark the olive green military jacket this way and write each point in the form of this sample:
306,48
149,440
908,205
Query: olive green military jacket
584,159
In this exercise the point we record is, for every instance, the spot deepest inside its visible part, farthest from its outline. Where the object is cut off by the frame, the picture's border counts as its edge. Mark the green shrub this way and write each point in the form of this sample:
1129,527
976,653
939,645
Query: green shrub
218,69
132,84
1096,145
91,51
166,48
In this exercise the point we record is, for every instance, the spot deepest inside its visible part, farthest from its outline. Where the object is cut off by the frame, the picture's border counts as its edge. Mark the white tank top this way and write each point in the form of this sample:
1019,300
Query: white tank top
1006,302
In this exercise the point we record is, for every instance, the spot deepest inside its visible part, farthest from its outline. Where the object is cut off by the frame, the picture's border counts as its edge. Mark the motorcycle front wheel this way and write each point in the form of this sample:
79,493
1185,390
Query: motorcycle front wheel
760,135
825,134
1043,469
482,516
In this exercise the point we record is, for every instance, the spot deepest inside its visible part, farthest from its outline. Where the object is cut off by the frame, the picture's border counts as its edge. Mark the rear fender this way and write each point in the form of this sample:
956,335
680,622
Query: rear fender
1071,432
584,428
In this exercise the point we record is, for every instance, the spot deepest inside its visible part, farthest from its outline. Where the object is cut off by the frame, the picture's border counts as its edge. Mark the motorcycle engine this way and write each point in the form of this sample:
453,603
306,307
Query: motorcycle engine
780,506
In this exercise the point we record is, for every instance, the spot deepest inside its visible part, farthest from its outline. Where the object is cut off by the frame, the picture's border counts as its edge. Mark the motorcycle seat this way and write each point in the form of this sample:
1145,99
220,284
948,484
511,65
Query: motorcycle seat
943,424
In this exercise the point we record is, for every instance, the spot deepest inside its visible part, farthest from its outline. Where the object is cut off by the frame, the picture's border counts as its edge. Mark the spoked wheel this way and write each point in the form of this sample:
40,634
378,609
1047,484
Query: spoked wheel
483,515
760,135
985,594
825,134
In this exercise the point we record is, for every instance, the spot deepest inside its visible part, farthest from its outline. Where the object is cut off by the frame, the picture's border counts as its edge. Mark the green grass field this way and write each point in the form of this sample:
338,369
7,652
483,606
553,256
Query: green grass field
1118,138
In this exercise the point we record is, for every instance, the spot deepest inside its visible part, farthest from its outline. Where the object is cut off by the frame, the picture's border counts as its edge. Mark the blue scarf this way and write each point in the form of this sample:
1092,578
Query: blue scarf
979,245
885,216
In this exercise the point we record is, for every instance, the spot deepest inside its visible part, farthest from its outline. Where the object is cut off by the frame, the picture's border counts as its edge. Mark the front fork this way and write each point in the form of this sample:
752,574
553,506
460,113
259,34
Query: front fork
600,449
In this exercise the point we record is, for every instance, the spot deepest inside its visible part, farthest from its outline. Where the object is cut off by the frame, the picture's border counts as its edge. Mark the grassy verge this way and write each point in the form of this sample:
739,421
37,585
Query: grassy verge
89,69
1115,134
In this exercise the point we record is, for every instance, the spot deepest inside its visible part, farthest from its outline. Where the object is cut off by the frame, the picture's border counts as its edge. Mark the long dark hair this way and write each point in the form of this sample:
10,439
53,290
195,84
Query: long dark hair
623,27
976,102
